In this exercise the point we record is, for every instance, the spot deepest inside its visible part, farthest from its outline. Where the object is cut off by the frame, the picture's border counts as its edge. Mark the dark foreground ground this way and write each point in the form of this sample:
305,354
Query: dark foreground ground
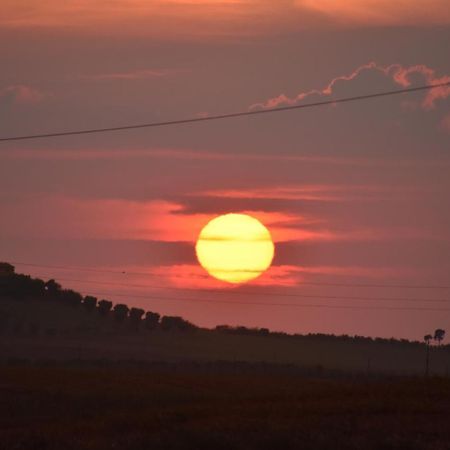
56,407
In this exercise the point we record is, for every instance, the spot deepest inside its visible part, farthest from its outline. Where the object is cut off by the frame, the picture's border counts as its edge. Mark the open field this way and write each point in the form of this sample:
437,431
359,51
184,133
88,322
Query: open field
326,352
62,407
39,324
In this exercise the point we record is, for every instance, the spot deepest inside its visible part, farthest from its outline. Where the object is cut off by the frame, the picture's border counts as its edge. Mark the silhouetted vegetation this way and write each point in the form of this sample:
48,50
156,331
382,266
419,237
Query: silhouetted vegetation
439,335
104,307
136,317
151,320
171,323
90,303
44,310
23,288
120,312
6,269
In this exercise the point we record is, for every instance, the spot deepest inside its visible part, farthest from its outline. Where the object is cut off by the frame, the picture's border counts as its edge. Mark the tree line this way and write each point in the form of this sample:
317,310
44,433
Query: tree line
25,288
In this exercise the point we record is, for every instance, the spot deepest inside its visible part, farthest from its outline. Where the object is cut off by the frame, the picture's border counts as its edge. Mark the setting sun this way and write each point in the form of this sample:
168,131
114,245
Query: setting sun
235,248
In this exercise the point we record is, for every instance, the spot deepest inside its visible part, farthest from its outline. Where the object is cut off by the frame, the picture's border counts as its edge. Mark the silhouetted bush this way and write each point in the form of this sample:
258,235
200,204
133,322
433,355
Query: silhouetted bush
175,323
6,269
244,330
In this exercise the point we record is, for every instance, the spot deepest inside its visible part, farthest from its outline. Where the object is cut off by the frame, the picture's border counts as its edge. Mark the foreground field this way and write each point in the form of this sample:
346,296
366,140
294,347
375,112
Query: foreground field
181,408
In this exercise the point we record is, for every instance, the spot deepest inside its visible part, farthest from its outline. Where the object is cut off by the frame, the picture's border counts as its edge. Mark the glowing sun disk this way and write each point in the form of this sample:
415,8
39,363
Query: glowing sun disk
235,248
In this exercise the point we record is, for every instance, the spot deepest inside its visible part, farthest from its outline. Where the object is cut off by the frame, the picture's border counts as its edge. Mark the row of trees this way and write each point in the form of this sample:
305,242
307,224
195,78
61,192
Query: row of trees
245,331
23,288
136,316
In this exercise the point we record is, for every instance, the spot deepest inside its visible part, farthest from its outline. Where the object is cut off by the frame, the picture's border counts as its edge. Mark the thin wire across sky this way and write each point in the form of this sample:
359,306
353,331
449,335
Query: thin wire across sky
124,272
193,120
232,293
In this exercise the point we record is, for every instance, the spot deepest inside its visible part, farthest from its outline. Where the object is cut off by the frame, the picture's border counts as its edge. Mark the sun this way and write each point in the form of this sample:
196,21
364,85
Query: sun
235,248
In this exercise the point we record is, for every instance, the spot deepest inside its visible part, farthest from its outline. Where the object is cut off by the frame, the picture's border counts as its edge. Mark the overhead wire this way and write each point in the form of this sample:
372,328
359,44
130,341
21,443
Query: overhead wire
259,294
293,305
306,283
217,117
231,293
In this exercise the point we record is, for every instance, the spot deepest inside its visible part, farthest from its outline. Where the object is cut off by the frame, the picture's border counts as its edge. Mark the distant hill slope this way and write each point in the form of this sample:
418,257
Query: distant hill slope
40,320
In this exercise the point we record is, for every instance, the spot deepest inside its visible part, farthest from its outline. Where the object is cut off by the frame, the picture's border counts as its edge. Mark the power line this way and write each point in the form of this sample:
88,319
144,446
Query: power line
221,116
263,294
294,305
306,283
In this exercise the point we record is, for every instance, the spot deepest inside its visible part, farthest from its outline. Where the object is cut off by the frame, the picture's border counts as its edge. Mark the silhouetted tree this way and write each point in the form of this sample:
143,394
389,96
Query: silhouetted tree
90,302
151,320
427,338
53,288
120,312
439,335
136,317
104,307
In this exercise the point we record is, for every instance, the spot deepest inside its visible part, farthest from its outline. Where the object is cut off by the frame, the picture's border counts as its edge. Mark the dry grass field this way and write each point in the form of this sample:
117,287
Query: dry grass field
128,407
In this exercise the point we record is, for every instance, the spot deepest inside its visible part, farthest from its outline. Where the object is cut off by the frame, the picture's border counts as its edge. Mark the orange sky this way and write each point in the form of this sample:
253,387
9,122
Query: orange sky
352,193
218,17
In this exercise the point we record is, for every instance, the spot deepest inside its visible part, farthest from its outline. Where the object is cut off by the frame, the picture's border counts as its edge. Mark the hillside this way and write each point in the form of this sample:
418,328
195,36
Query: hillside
39,320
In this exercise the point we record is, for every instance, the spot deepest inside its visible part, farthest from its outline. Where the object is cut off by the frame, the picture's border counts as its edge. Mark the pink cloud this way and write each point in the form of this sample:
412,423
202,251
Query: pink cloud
397,74
195,277
59,217
325,193
404,76
21,94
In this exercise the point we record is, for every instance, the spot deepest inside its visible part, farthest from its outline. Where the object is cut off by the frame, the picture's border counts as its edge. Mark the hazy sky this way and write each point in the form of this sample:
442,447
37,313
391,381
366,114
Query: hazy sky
352,193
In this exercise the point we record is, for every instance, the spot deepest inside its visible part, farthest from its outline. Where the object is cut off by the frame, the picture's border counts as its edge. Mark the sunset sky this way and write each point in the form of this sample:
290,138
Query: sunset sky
351,193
